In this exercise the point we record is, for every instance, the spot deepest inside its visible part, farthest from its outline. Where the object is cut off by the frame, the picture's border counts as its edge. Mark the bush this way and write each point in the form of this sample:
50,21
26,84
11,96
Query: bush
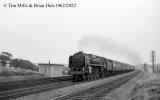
23,64
15,72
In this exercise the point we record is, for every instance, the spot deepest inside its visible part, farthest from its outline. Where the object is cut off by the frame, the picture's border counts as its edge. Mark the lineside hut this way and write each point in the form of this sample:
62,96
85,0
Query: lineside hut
51,70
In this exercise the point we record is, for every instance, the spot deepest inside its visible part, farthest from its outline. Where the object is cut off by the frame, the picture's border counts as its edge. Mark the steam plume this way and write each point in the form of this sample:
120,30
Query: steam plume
107,46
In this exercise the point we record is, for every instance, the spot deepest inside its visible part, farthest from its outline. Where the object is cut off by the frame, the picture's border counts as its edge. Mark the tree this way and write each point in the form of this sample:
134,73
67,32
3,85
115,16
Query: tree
7,54
23,64
16,63
5,57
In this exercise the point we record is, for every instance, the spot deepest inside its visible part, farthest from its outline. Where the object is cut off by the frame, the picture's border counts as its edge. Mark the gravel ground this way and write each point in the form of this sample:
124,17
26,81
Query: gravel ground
143,87
147,88
49,95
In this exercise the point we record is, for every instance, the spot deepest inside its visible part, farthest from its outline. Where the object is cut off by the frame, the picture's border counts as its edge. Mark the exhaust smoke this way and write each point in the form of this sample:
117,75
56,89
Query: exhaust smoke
108,47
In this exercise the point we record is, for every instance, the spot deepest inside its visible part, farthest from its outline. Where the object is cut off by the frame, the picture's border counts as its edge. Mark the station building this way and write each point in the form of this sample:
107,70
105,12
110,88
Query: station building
52,70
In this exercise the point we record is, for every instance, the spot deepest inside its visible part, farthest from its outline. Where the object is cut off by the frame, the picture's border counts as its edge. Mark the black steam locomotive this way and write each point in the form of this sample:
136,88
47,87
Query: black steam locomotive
88,67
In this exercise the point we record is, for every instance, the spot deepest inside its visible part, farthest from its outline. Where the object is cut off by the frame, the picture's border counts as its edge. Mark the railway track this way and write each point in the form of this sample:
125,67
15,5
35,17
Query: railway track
12,85
31,90
92,93
25,87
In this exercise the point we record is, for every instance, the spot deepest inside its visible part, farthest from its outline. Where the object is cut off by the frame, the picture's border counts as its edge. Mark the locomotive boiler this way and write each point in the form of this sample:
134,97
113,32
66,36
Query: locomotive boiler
88,67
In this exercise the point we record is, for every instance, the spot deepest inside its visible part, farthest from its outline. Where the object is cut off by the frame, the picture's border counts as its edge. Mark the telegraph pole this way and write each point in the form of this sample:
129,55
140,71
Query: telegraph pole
153,59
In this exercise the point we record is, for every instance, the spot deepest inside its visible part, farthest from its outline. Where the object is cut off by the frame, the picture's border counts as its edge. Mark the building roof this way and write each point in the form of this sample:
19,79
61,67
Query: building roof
50,64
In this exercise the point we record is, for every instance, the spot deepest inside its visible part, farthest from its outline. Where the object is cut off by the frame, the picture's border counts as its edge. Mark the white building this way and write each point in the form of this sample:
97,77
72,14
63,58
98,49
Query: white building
52,70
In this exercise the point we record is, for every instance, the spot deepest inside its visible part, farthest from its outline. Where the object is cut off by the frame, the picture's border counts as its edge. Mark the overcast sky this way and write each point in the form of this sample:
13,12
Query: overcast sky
43,34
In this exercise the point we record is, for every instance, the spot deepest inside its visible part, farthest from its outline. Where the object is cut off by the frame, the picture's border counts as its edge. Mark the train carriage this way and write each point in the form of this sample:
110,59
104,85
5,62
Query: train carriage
109,67
116,67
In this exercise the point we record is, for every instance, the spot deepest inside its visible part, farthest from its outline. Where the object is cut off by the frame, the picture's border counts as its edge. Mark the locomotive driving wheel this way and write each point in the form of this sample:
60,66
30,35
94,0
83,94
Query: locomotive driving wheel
89,77
75,78
84,77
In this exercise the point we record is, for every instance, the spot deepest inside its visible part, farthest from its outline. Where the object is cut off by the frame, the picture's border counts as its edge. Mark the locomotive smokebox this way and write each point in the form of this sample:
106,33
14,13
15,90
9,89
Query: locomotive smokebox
78,59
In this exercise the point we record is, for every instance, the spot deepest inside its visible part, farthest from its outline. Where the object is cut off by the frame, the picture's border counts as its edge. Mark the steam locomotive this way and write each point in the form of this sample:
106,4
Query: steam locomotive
88,67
